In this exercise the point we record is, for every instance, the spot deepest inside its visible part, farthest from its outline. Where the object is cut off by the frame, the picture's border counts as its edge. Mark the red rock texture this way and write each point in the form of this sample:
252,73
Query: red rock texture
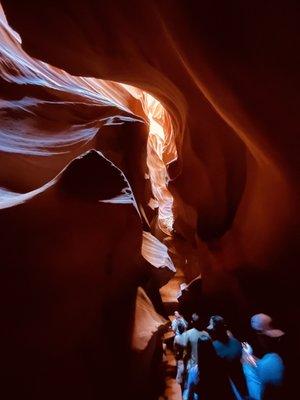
228,77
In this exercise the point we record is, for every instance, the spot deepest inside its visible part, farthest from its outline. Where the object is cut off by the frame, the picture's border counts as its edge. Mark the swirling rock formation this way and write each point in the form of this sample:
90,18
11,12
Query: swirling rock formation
225,142
66,271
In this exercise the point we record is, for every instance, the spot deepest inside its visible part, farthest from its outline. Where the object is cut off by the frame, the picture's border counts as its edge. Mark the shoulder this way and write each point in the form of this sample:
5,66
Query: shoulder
189,334
204,336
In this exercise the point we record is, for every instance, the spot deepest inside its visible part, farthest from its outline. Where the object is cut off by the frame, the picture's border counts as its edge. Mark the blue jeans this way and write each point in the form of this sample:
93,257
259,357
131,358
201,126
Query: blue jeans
192,381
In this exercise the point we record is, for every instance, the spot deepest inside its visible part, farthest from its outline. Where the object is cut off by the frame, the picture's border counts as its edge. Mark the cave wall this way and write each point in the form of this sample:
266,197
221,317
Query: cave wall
66,274
228,76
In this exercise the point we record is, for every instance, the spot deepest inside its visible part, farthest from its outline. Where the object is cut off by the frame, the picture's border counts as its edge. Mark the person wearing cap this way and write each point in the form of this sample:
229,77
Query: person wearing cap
265,371
266,338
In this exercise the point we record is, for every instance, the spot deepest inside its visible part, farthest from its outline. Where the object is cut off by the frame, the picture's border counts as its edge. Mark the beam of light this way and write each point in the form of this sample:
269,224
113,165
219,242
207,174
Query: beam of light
161,151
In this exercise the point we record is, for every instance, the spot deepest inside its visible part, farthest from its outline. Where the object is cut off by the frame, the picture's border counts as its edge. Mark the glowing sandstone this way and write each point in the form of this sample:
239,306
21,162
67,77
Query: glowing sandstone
56,116
228,79
223,89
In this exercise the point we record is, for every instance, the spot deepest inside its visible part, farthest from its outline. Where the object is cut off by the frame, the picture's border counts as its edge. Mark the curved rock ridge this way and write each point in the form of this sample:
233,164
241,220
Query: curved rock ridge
92,177
66,262
147,321
68,269
155,252
50,116
89,177
225,144
66,259
148,330
215,85
34,88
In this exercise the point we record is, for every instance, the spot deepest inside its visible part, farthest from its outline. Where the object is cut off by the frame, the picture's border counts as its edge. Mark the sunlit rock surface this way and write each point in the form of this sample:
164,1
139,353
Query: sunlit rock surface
146,323
147,345
227,79
224,89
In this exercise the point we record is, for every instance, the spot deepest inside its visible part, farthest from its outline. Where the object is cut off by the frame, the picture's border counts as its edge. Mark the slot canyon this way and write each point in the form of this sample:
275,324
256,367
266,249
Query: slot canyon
148,163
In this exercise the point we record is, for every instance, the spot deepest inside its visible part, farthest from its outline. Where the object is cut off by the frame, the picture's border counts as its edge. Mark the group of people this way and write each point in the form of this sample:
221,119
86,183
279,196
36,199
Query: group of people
213,364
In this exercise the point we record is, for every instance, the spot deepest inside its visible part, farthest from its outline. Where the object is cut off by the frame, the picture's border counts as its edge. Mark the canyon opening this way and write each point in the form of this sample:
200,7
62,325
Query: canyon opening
148,199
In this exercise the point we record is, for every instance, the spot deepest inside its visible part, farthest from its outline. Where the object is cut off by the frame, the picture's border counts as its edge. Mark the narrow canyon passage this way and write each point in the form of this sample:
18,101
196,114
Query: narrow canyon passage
148,164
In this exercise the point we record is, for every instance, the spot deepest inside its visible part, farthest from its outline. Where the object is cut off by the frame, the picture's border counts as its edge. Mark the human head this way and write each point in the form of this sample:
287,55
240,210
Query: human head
176,314
195,317
181,327
261,322
217,324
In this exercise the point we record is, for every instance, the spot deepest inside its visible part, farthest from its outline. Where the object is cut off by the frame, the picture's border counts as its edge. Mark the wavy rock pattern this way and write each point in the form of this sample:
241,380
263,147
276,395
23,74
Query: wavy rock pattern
193,109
